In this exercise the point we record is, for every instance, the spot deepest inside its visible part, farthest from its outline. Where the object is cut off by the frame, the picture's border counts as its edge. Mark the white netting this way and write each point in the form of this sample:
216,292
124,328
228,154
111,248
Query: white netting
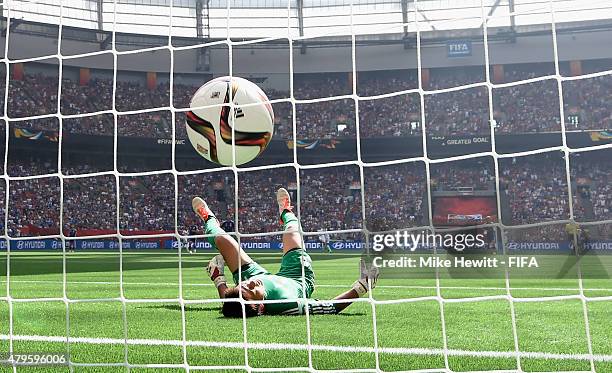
184,342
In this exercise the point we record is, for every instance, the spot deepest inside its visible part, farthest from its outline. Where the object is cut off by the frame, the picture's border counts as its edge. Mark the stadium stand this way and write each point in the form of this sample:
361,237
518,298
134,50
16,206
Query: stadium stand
478,175
395,196
534,187
525,108
535,190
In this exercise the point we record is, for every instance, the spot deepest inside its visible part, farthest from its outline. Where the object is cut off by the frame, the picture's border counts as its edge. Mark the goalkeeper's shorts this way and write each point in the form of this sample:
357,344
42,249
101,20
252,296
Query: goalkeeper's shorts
291,267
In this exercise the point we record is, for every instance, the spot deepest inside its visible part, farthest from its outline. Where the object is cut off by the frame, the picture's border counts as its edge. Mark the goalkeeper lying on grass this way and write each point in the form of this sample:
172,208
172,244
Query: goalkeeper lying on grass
256,283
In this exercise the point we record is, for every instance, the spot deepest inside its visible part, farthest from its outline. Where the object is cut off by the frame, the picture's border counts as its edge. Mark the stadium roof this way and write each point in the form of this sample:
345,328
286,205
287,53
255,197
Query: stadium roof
246,19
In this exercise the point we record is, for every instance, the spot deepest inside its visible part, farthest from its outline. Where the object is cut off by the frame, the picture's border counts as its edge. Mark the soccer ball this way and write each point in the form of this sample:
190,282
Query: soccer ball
211,119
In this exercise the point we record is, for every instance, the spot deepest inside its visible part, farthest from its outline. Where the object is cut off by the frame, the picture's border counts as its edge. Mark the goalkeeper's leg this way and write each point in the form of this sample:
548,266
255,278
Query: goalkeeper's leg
292,238
232,254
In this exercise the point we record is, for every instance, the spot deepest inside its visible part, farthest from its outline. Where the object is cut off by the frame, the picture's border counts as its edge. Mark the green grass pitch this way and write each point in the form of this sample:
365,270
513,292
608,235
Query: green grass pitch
409,334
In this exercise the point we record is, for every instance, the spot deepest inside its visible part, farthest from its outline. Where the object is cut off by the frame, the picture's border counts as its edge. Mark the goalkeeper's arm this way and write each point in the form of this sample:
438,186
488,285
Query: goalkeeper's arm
326,308
359,288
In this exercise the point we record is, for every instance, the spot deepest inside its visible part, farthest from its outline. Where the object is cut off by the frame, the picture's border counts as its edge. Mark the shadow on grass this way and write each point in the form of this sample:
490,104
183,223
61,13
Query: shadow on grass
176,307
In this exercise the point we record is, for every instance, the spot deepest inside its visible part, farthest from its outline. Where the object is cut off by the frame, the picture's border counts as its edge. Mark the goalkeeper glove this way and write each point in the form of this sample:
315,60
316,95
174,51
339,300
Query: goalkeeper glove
215,270
365,275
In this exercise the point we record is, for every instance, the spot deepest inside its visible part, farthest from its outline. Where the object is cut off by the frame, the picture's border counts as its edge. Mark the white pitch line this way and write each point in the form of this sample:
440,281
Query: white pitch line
318,285
326,348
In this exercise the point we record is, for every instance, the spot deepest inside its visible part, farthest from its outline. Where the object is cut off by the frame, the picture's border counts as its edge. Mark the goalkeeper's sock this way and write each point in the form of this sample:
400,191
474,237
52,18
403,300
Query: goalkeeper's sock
212,227
290,221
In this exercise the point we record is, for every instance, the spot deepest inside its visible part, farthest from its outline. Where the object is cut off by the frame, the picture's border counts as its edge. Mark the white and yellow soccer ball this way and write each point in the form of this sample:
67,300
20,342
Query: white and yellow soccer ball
211,120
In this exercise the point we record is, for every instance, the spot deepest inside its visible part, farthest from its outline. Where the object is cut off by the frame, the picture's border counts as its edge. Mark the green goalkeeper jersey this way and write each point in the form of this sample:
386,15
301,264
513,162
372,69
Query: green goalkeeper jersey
288,283
278,288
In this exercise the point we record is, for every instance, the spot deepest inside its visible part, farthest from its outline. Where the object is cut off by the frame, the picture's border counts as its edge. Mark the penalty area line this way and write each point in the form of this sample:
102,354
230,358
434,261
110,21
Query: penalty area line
301,347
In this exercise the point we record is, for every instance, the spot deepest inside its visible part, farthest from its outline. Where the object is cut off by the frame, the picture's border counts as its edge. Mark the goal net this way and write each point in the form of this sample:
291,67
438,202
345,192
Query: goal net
402,128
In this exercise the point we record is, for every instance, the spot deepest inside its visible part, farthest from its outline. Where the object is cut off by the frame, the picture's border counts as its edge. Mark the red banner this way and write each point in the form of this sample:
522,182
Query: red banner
464,210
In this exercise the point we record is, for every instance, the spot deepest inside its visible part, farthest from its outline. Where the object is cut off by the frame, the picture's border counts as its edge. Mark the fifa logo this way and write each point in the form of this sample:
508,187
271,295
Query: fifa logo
458,48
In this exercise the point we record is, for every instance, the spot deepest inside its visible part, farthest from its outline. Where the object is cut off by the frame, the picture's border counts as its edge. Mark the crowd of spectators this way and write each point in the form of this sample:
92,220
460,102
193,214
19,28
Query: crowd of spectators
395,196
602,200
147,203
594,187
217,188
317,86
91,203
536,189
390,116
33,202
330,198
325,119
95,96
579,207
527,108
523,108
589,100
257,208
459,112
449,176
31,166
380,83
34,95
